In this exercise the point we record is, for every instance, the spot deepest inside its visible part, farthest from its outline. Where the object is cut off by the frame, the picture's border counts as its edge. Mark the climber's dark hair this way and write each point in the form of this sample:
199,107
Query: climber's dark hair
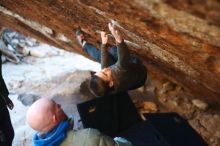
98,86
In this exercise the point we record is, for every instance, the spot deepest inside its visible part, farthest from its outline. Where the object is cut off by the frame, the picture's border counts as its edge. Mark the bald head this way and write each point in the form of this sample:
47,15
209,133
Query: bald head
44,114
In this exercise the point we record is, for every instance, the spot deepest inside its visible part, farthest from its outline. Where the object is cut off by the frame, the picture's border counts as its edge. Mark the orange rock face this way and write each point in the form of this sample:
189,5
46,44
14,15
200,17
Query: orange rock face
176,39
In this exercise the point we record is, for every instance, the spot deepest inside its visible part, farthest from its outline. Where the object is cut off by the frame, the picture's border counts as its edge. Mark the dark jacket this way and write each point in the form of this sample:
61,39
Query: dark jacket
128,72
3,89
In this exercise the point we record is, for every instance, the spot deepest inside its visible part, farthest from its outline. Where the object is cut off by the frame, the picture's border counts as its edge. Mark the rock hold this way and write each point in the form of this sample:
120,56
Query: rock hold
149,106
200,104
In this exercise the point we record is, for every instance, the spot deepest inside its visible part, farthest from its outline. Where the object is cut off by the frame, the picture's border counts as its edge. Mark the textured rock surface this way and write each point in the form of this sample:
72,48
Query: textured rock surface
59,75
177,39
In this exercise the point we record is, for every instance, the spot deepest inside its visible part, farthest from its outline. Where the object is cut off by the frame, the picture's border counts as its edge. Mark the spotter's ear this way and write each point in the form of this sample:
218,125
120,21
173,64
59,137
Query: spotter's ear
55,120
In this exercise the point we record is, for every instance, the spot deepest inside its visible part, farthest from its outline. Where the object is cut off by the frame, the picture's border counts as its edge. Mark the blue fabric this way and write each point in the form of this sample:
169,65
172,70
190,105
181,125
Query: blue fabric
112,52
96,53
52,138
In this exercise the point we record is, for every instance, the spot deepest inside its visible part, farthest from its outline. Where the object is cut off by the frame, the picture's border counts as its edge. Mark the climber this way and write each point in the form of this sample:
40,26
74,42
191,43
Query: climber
120,70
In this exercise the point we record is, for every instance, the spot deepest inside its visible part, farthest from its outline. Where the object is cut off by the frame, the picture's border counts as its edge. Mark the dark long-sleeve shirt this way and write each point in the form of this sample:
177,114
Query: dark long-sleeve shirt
3,89
128,72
